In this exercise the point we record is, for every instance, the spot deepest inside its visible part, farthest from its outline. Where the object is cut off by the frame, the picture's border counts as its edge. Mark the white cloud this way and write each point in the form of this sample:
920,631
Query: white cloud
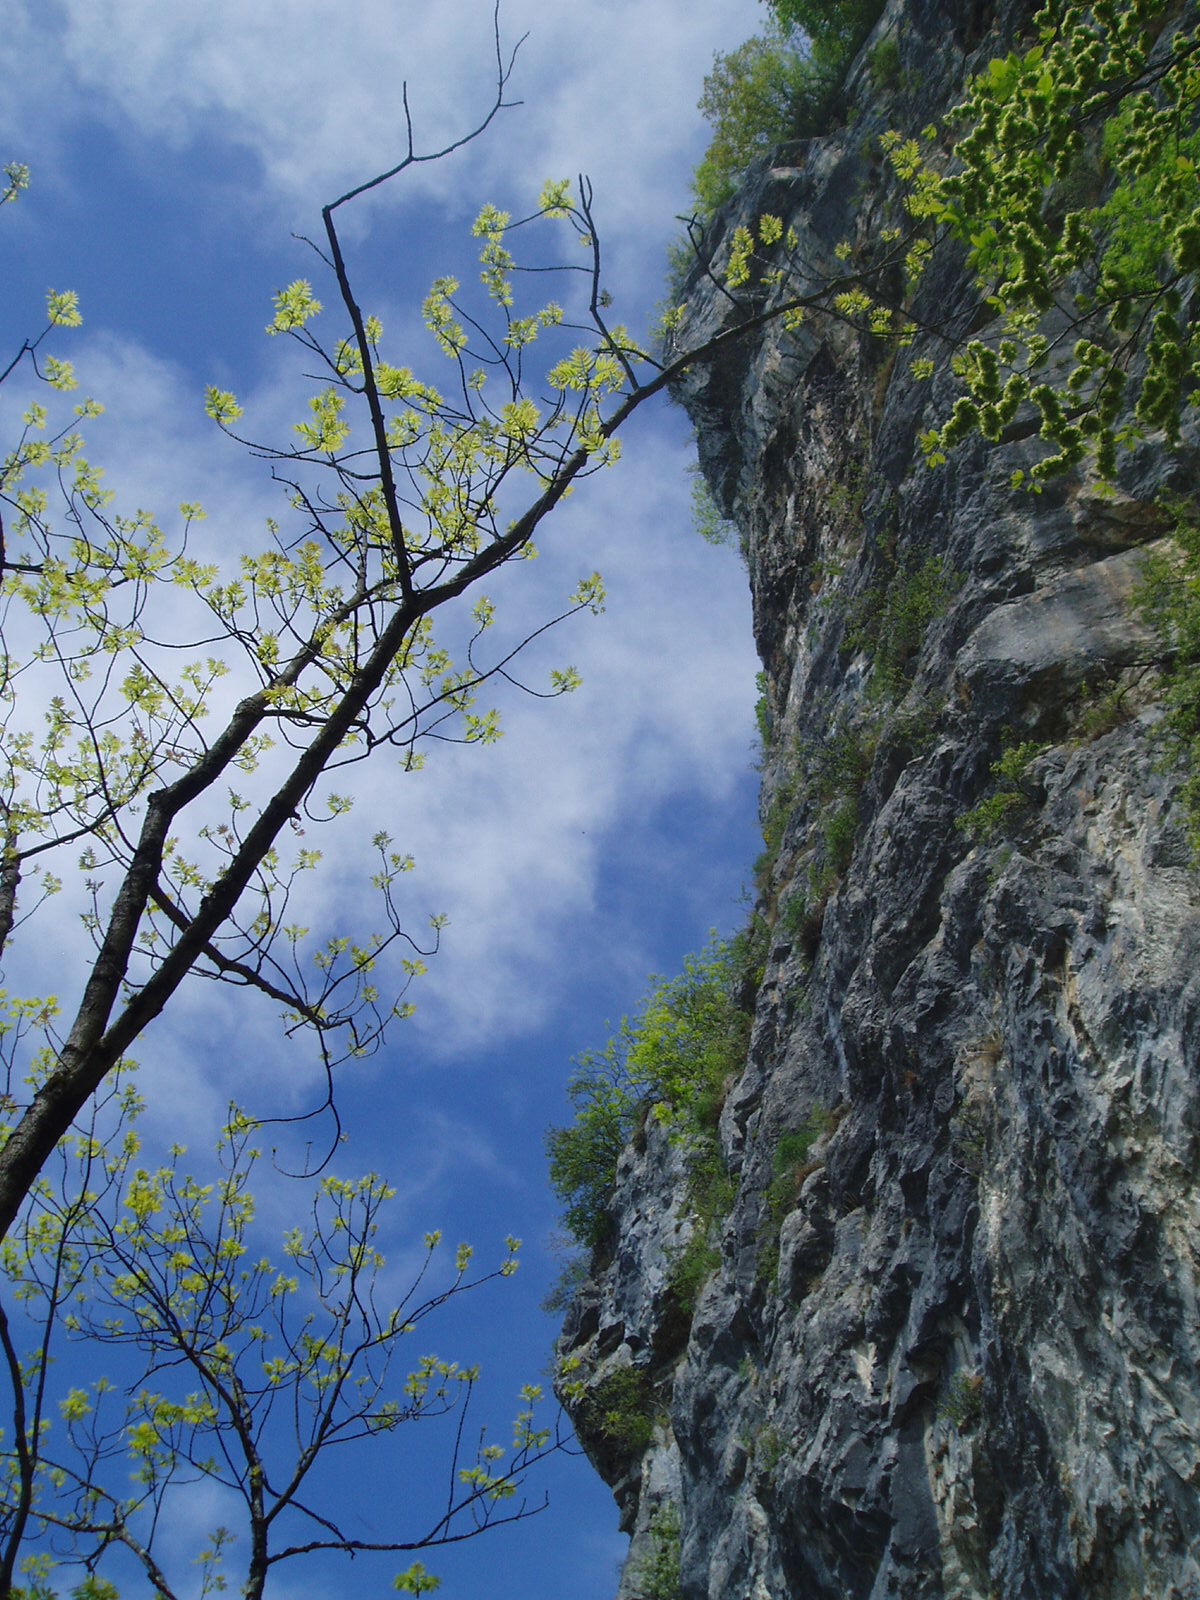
312,88
277,106
510,841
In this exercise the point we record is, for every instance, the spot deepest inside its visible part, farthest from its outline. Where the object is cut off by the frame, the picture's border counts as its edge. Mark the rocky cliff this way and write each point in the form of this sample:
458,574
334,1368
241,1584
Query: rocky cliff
951,1344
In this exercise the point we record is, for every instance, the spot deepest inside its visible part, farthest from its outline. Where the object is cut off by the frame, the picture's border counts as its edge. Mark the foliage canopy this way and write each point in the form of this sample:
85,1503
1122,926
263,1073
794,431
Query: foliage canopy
1074,188
766,90
837,28
1068,173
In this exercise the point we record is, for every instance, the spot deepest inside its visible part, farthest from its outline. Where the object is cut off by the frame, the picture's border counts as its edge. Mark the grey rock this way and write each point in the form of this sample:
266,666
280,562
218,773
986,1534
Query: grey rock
966,1364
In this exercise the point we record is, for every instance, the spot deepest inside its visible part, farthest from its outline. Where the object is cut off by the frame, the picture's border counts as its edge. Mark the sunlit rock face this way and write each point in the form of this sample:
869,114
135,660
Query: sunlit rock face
960,1358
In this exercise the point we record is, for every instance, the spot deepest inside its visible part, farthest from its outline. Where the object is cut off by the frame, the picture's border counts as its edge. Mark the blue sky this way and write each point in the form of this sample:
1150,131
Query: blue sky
174,150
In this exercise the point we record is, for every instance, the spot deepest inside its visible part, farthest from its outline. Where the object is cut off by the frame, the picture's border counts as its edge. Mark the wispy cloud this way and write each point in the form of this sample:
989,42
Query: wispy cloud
511,842
311,88
224,121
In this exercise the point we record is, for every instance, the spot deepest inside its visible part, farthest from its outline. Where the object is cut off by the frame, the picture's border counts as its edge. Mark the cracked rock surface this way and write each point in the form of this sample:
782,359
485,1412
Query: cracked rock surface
964,1363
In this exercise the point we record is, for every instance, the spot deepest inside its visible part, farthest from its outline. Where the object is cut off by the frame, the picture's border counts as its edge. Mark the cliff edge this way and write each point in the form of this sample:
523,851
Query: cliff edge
951,1347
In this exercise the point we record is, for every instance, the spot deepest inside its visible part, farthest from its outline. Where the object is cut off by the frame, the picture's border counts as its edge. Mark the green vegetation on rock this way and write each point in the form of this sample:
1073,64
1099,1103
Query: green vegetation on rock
1069,172
889,621
1009,796
671,1061
752,99
792,1163
1170,599
1075,186
658,1576
691,1269
621,1409
782,84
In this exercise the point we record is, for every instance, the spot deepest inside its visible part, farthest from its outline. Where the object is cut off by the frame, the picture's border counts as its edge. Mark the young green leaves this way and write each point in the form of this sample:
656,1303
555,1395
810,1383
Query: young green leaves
1075,188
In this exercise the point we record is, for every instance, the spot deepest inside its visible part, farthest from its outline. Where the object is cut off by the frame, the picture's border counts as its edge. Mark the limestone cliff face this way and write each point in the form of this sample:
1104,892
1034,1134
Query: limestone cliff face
960,1357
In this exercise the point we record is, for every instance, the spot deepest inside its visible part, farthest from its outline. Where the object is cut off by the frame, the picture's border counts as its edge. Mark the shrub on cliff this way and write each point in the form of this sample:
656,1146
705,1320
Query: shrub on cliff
837,28
782,84
584,1155
658,1576
1171,601
672,1061
766,90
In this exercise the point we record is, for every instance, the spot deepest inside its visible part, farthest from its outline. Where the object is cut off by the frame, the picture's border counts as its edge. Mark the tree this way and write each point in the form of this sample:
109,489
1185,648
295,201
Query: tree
181,847
328,636
674,1061
785,83
838,28
765,91
404,502
236,1371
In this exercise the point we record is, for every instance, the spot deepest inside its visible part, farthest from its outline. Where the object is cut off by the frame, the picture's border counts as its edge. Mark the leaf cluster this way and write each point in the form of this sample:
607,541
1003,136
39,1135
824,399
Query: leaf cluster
657,1575
1088,281
768,89
1010,794
672,1060
889,620
239,1369
785,83
1069,174
621,1409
